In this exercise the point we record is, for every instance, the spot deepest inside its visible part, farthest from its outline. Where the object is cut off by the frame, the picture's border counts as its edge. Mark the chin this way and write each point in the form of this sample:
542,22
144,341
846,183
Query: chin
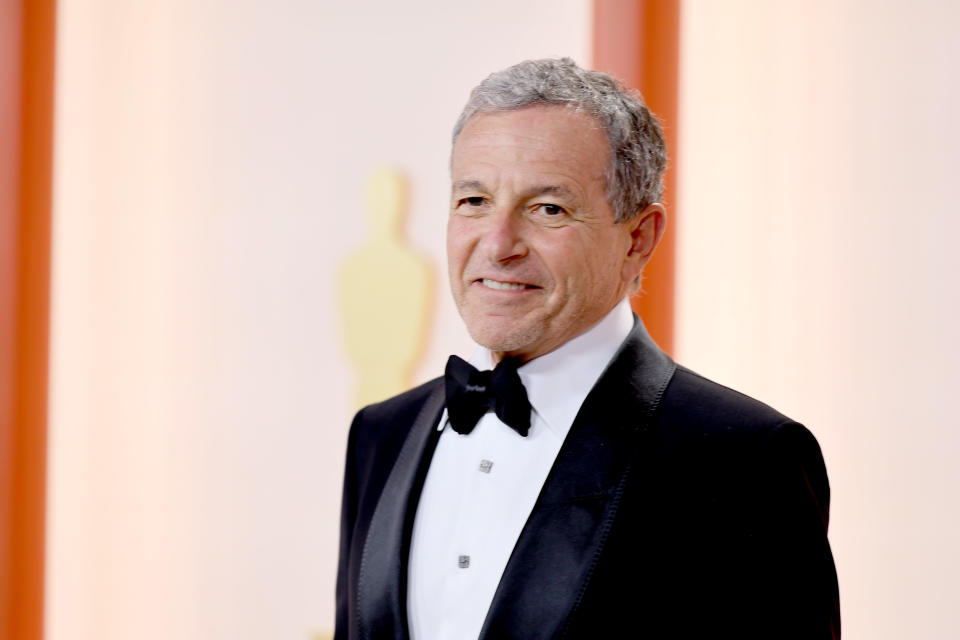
504,340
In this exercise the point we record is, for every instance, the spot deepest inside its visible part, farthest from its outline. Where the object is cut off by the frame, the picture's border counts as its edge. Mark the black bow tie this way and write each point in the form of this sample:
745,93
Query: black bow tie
471,392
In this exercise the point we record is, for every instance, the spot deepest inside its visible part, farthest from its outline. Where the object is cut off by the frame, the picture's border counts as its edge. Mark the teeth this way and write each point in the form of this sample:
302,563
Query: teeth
502,286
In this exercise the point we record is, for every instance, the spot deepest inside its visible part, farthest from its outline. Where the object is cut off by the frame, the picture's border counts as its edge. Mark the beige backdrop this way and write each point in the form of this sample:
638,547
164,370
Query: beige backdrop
211,161
818,268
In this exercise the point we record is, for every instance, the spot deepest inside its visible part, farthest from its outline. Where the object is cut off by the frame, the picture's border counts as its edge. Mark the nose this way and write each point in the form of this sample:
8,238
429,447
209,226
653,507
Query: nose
503,238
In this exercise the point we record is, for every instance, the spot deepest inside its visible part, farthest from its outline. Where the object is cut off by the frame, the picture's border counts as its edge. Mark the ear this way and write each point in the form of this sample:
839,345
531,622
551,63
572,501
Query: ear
646,229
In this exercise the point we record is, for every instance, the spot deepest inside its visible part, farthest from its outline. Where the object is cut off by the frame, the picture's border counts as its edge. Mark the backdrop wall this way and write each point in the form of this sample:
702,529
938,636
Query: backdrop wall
818,268
211,161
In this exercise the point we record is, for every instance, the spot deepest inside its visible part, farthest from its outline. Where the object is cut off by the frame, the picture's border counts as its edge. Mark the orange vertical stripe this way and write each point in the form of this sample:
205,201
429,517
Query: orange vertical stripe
638,41
26,125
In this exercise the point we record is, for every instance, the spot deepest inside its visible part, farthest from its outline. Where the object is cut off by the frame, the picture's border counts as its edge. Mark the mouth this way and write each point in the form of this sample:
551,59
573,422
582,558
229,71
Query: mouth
499,285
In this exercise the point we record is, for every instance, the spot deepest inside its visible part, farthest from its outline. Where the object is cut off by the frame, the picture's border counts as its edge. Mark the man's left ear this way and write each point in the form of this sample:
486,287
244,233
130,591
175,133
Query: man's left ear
646,229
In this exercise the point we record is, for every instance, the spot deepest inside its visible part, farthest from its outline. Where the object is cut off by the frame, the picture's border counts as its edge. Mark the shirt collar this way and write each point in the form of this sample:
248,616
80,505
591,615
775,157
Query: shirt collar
557,383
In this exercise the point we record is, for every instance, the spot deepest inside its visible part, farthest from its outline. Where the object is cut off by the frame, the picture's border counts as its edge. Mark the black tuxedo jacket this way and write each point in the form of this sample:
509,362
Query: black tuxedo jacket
676,508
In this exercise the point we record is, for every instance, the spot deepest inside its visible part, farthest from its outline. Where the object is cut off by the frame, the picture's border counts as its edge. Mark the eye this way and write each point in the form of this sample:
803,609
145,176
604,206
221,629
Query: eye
472,201
550,210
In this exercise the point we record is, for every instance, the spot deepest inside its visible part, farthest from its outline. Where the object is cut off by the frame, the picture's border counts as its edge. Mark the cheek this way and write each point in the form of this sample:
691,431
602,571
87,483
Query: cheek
454,241
592,271
459,247
578,261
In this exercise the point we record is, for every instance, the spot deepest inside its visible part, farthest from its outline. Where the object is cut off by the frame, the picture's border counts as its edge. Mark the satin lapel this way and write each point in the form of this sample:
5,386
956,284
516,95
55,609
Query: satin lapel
553,559
381,585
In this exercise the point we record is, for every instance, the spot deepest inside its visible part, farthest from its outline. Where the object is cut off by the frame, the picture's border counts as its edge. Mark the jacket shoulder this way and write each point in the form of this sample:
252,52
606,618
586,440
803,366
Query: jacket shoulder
380,418
714,426
408,401
379,430
695,402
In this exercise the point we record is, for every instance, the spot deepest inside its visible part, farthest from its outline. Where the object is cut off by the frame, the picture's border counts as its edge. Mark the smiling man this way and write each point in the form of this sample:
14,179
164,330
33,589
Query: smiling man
572,480
535,255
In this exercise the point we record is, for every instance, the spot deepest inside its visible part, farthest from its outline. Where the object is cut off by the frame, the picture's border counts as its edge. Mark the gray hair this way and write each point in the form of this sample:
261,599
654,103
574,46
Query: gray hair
638,154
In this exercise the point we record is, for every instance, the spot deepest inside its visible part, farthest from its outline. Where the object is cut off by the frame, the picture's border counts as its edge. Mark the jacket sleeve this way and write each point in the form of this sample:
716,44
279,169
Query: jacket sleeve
348,514
797,583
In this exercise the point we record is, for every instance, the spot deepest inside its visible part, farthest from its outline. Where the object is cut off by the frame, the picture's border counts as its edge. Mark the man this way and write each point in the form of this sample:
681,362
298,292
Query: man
630,497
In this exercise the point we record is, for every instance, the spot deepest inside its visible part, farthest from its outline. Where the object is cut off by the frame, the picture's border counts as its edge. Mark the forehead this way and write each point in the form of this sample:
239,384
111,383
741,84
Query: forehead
539,139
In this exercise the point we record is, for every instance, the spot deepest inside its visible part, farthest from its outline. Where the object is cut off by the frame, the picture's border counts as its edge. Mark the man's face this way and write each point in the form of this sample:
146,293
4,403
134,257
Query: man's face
534,255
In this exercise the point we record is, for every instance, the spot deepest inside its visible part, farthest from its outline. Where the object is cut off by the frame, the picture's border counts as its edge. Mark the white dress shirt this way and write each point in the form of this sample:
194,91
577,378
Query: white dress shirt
481,487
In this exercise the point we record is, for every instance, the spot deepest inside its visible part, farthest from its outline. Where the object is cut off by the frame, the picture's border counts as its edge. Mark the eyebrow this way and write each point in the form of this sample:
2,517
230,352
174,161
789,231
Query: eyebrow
551,190
468,185
548,189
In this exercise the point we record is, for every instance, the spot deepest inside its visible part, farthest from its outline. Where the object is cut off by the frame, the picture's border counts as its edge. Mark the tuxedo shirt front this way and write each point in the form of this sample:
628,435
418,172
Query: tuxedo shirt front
481,487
